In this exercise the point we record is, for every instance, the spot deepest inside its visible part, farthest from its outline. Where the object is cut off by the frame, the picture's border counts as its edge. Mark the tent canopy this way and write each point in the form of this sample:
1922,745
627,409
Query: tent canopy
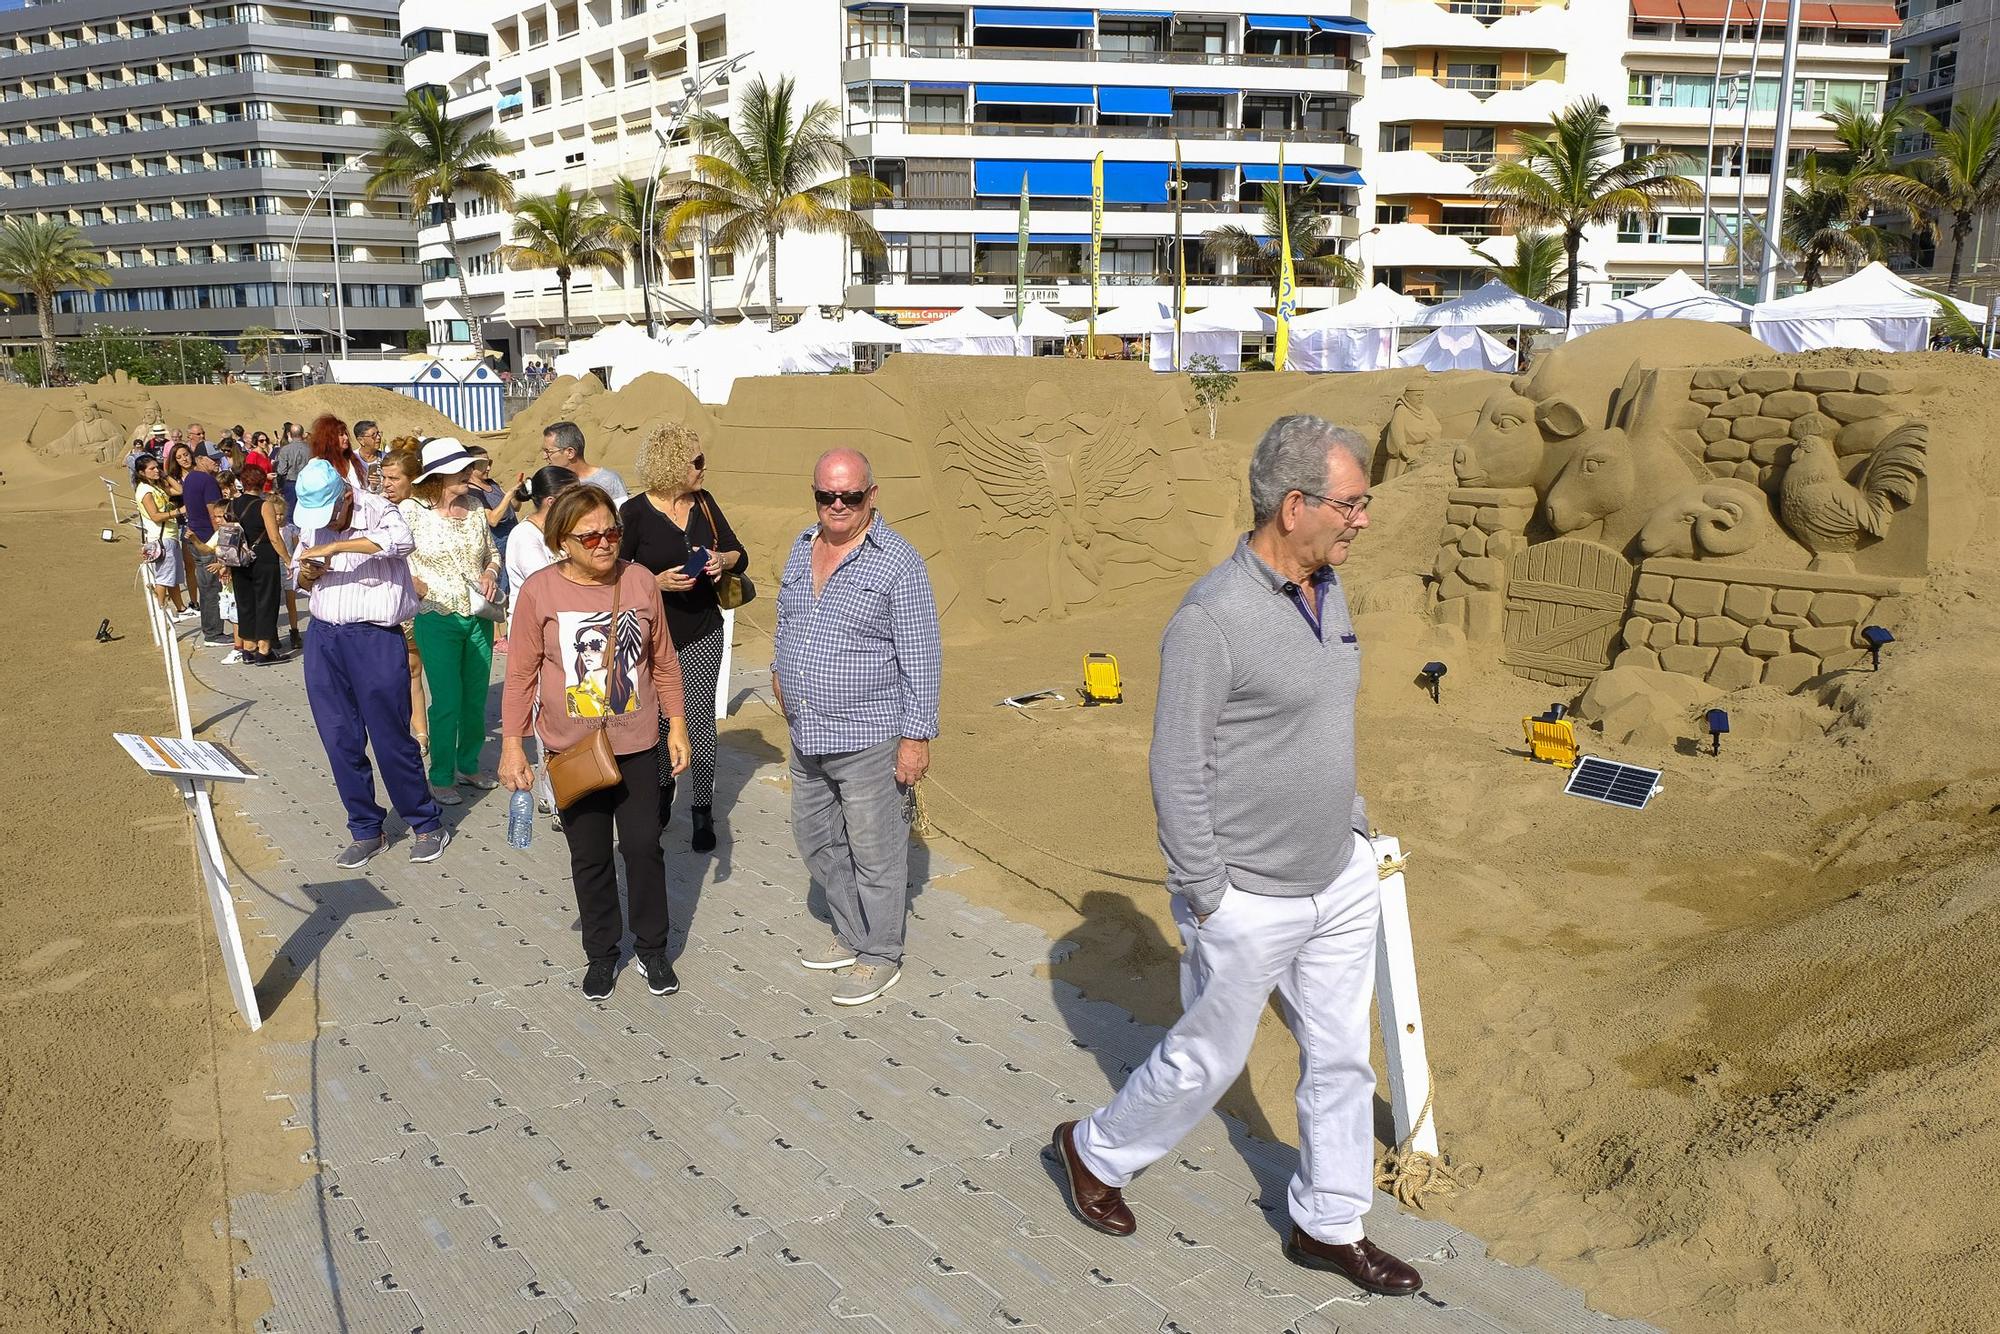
1379,307
1675,297
1492,306
968,331
1874,309
1237,317
1038,321
1458,349
1130,321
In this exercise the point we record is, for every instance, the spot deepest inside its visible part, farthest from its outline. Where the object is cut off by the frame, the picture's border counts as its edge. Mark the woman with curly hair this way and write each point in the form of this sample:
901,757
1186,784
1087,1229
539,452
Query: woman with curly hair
671,525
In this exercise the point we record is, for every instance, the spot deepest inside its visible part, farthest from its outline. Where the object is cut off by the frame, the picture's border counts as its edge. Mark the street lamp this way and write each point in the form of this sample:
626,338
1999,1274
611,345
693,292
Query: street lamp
691,91
325,187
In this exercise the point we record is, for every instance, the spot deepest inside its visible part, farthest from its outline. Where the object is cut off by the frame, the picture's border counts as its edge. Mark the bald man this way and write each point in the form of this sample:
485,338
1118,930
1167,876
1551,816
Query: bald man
856,673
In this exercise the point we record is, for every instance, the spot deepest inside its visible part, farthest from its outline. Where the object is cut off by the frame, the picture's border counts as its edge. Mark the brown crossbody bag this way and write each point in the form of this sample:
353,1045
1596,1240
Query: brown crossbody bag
590,766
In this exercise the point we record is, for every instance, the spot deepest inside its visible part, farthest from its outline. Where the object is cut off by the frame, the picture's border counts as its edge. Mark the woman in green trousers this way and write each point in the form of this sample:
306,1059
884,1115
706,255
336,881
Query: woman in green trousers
454,559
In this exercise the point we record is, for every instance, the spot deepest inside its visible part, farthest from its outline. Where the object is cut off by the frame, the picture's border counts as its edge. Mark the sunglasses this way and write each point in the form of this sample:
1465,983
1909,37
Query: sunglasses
852,499
590,646
592,541
698,462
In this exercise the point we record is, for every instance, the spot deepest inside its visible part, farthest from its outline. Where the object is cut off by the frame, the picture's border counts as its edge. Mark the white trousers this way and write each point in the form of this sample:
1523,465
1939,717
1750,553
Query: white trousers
1319,954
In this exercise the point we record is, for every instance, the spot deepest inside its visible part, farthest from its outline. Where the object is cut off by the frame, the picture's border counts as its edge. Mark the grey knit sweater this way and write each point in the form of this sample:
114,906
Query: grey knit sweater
1253,739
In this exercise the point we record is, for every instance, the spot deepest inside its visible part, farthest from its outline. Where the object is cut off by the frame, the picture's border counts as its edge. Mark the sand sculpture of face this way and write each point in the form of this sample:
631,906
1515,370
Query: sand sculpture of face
1723,517
1508,446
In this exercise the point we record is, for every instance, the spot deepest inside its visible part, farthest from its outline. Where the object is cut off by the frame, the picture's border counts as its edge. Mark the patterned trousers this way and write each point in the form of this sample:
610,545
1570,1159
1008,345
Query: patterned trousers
701,663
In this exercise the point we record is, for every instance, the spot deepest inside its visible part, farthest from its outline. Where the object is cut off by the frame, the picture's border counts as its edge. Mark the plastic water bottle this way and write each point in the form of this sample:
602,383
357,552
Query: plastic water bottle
521,819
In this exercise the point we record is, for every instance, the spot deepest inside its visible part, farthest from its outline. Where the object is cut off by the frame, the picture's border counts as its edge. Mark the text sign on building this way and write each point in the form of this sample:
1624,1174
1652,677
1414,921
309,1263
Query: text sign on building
1045,294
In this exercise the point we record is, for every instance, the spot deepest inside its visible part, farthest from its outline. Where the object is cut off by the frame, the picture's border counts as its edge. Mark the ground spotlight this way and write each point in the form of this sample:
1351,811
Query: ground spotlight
1432,673
1874,636
1718,723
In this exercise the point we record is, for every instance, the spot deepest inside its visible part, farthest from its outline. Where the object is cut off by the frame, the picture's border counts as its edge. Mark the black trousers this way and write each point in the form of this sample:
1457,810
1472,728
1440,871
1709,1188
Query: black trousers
633,807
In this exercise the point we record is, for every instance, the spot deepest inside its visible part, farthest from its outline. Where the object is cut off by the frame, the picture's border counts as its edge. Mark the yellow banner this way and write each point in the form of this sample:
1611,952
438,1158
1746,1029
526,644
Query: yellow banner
1288,294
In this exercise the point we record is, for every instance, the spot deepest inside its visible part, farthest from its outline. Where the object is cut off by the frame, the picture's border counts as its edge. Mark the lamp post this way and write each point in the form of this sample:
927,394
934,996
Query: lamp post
339,304
1774,210
691,91
325,187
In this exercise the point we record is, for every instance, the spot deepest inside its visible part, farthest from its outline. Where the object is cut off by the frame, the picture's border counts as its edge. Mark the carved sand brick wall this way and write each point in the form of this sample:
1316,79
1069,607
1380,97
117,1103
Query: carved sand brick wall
1484,528
1736,625
1751,413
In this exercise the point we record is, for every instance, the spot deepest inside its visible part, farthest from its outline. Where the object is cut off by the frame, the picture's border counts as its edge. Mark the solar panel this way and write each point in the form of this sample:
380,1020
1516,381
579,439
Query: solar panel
1612,783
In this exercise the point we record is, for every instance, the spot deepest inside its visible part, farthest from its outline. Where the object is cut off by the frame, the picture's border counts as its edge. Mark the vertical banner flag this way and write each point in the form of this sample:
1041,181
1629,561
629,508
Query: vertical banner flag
1180,253
1288,294
1021,258
1096,241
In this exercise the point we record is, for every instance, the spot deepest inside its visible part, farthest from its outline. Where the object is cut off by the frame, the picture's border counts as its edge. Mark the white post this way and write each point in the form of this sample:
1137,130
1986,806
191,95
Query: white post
1774,209
152,605
170,648
222,908
728,651
111,492
1401,1013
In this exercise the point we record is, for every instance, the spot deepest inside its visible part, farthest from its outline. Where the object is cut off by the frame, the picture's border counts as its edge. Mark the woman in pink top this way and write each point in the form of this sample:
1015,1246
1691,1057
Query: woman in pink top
571,662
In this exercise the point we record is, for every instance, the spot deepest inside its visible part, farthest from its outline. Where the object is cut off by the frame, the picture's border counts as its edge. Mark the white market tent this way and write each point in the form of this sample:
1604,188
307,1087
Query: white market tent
1358,335
1038,321
710,363
969,331
1874,310
1216,332
814,346
1495,305
1137,320
1675,297
1458,349
615,346
863,329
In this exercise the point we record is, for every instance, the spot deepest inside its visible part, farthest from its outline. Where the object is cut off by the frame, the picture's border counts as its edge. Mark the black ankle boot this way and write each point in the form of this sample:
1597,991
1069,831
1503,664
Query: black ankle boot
704,828
666,802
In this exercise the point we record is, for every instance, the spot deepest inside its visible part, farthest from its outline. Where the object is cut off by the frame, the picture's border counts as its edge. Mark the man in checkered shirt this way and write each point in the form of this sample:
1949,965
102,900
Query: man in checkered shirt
855,672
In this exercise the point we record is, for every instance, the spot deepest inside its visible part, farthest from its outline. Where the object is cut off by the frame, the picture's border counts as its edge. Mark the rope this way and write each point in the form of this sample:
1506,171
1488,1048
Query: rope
1413,1178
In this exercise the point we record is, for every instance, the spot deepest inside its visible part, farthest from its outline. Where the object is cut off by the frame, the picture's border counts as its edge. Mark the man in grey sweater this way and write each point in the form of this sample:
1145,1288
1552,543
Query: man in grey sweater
1268,858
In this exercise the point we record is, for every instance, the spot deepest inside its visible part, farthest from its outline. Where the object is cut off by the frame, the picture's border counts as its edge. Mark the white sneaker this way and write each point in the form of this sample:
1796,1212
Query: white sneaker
234,655
865,984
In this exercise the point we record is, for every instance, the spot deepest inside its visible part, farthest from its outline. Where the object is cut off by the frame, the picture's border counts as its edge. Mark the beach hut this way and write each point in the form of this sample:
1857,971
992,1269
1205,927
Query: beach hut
1874,309
1674,297
468,392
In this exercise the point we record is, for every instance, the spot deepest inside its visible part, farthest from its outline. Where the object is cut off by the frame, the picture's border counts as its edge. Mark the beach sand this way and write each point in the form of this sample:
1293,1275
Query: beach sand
1726,1064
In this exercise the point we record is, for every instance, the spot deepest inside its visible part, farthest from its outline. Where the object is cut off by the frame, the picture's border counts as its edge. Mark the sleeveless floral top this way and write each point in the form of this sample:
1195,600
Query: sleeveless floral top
450,555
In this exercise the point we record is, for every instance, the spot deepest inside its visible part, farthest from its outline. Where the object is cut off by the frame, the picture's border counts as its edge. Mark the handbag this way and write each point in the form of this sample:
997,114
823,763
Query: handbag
592,765
732,590
485,608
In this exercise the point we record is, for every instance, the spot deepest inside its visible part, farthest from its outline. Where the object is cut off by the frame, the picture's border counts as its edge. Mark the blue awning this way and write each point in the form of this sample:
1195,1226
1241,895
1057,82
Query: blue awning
939,87
1034,238
1356,27
1207,92
1262,175
1136,182
1137,13
1276,23
1338,176
1033,95
1069,180
1136,101
1004,16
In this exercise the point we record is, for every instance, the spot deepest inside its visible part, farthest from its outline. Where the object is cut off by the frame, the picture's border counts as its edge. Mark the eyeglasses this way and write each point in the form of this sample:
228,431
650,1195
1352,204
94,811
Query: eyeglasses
1348,507
851,499
592,541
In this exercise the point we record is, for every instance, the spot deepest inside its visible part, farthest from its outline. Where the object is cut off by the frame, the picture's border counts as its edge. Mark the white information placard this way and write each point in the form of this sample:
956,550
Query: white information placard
176,758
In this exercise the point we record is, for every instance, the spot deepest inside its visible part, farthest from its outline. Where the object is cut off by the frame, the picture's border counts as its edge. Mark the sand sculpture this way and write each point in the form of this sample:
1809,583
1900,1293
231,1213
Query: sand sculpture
92,432
1738,525
1413,428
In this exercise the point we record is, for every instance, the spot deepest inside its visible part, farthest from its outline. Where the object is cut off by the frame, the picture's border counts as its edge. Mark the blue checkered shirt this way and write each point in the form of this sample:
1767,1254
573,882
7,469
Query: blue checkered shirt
860,663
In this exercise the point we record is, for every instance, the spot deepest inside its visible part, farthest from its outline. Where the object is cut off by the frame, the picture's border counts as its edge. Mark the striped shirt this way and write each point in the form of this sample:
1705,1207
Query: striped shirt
359,589
859,662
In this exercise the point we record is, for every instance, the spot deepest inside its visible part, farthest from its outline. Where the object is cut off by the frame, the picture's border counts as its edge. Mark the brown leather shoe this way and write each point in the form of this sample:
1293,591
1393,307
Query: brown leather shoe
1096,1204
1362,1263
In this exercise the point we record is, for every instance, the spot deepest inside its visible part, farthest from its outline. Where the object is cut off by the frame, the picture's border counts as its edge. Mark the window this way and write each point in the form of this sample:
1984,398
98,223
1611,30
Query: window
1128,35
1268,113
712,45
875,106
940,257
1393,139
573,159
937,108
936,34
538,32
1389,214
1206,36
425,39
471,43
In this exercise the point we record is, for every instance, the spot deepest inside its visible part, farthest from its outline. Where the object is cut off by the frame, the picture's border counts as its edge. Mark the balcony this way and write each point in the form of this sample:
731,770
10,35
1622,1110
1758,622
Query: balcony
1484,86
1128,278
1011,203
1011,130
1213,59
1482,159
1491,11
1944,16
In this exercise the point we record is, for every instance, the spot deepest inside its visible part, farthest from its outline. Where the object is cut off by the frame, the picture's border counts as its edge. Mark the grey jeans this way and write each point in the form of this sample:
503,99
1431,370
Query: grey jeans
208,593
849,817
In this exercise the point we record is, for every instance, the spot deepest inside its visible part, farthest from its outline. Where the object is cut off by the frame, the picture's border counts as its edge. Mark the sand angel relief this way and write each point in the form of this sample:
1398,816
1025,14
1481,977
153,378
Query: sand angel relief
600,679
1085,480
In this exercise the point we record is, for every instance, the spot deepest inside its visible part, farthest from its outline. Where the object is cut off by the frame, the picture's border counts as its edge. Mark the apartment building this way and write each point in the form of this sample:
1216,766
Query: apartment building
187,143
1456,79
585,92
1950,55
959,108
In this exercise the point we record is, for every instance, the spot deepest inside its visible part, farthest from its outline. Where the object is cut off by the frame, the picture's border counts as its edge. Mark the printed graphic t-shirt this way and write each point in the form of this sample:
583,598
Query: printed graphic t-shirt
565,654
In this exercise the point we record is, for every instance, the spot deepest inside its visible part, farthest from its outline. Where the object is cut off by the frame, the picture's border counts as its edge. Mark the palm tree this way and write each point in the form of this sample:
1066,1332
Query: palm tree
773,178
257,343
1259,254
1573,177
565,231
1538,270
631,202
428,157
1961,178
1868,141
43,258
1825,222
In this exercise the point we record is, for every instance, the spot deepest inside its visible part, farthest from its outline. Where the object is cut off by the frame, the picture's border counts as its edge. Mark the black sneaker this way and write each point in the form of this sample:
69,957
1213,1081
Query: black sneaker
659,974
598,979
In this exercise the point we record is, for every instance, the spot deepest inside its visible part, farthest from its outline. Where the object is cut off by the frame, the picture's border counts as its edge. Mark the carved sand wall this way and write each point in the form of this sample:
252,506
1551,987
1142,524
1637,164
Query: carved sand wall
1769,511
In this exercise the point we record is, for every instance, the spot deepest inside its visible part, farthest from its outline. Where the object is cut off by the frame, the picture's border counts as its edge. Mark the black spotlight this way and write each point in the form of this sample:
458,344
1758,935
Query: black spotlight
1432,673
104,631
1718,723
1874,636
